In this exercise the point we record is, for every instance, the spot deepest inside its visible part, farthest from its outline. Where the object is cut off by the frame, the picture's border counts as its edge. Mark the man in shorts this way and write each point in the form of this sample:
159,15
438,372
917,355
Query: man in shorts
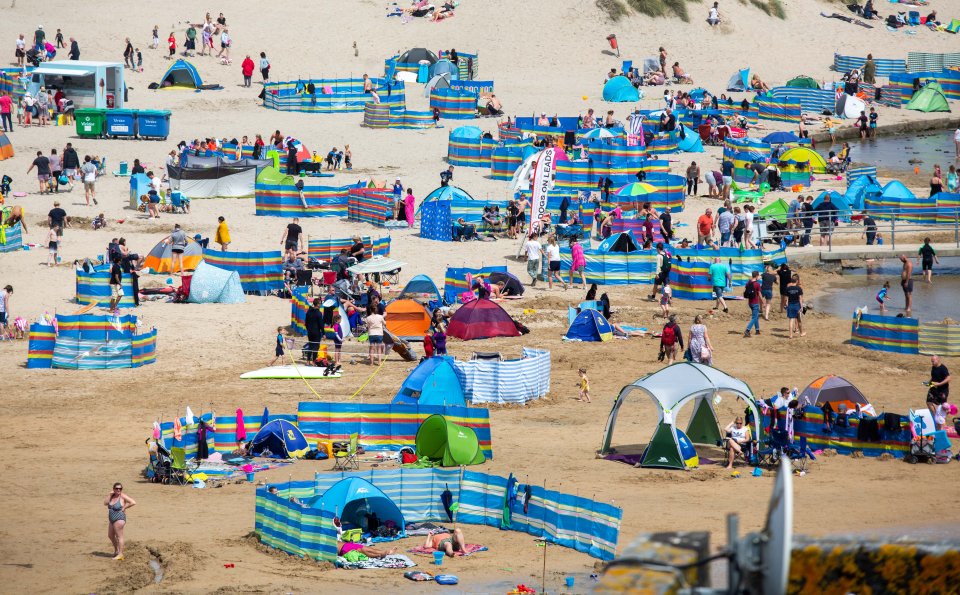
116,286
719,278
906,283
291,238
88,171
57,218
704,228
42,163
926,257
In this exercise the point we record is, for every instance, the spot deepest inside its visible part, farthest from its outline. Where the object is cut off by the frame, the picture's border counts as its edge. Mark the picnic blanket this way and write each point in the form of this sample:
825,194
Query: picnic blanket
391,561
471,548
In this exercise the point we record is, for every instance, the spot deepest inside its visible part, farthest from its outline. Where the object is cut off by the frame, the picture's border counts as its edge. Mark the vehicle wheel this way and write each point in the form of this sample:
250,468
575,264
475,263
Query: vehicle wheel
910,459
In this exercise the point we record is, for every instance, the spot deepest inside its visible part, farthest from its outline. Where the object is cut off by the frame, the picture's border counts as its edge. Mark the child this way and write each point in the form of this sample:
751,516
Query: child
584,385
54,244
337,338
439,342
338,160
940,414
666,299
278,353
156,37
99,222
59,39
882,296
873,122
19,327
139,61
427,345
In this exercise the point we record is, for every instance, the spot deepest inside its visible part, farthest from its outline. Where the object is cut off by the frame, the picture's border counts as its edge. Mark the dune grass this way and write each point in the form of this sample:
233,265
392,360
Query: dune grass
617,9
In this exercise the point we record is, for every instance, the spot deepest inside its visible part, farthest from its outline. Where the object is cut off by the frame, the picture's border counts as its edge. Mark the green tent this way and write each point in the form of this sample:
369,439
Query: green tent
776,210
929,99
441,440
671,388
803,82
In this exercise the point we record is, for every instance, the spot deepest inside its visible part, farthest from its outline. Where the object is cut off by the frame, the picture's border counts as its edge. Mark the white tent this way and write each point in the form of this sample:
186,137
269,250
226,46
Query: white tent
849,106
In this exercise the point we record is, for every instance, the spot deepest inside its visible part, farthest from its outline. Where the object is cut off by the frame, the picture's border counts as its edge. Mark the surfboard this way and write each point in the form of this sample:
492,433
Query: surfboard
289,372
86,308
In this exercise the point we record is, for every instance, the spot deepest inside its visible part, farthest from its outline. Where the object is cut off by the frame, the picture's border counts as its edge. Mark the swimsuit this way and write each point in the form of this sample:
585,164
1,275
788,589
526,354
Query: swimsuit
116,511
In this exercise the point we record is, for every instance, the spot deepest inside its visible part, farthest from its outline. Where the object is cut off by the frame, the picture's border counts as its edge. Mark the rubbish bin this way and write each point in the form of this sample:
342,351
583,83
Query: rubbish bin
153,124
89,122
121,123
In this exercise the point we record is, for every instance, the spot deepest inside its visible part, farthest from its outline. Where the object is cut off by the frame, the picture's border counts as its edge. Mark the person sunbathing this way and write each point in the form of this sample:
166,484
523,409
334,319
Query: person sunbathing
446,542
679,75
738,438
494,107
758,85
366,550
445,12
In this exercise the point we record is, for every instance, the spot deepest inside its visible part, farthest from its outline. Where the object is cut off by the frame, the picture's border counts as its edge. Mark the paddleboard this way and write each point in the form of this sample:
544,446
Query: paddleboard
285,372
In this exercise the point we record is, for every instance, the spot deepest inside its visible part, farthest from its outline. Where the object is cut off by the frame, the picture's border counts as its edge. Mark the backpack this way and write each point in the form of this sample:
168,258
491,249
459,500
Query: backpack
750,291
667,263
668,336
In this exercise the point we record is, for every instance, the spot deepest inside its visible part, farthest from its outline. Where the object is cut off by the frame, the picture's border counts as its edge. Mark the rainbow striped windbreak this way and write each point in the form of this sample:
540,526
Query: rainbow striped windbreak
260,272
346,95
885,333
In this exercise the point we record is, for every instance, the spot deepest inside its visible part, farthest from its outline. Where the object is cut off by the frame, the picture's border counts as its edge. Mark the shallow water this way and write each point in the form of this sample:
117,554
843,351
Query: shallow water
859,287
896,152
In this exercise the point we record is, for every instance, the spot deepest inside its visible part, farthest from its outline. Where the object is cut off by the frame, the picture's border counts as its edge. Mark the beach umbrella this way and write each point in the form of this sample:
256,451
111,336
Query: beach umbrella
636,189
595,133
241,428
780,138
265,418
159,260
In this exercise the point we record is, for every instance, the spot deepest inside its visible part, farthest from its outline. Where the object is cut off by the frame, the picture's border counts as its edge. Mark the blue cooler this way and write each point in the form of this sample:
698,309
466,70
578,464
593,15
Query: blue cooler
121,122
153,124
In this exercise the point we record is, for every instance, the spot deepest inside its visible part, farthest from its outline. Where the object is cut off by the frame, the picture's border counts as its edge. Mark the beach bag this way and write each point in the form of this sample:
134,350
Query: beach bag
704,353
352,536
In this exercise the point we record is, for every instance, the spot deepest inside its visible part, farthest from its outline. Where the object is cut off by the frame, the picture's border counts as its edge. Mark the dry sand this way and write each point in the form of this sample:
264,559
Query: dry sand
70,435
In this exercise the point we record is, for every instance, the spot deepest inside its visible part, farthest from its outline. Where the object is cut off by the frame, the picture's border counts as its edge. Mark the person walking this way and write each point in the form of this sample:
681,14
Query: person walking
701,349
89,173
246,68
795,305
409,207
223,234
42,163
117,504
6,111
926,256
553,263
313,321
767,280
753,293
906,283
264,67
720,278
693,177
74,53
5,316
375,326
578,262
534,254
671,340
128,55
178,245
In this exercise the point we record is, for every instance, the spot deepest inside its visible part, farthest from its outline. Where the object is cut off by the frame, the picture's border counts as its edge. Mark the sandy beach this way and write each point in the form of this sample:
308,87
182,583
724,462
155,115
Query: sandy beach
71,434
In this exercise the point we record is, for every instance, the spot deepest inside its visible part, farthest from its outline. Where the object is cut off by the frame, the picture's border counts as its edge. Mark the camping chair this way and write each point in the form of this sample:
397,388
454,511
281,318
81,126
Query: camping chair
178,465
177,204
913,18
160,465
344,460
493,356
779,445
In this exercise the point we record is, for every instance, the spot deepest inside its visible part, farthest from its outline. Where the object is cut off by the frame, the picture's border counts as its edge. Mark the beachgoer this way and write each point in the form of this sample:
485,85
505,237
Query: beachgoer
939,383
870,71
117,504
409,207
726,222
936,182
738,438
375,327
926,256
246,69
366,550
42,163
584,385
882,296
874,118
720,278
906,283
693,177
753,293
956,141
784,274
671,340
6,111
663,266
53,245
704,228
794,295
446,176
222,236
553,263
578,263
826,218
701,350
5,316
869,229
713,17
264,67
767,280
291,238
863,123
278,347
446,542
534,253
58,218
369,90
88,171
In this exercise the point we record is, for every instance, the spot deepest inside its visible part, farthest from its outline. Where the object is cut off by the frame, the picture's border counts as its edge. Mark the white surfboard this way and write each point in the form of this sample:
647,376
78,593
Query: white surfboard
283,372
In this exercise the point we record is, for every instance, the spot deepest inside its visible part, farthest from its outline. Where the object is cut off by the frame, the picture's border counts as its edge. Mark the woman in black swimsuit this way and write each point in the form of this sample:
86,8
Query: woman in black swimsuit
117,503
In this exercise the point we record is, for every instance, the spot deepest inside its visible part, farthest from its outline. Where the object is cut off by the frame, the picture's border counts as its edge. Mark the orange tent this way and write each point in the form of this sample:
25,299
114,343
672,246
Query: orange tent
407,319
6,149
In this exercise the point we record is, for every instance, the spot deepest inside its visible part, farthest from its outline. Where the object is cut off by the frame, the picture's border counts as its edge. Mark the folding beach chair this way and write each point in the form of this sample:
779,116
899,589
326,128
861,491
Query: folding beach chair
344,460
177,202
178,465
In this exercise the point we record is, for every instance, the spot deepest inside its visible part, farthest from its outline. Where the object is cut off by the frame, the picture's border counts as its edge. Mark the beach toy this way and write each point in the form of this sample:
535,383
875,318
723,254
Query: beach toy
916,170
250,476
438,557
446,579
229,566
585,98
169,281
757,472
735,474
528,311
569,582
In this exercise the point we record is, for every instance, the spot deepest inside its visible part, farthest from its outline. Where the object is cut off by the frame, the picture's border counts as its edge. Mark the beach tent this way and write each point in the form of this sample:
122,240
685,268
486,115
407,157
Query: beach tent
848,106
836,391
839,201
739,81
213,285
775,211
159,258
353,498
440,81
954,26
805,155
622,242
433,382
481,319
671,388
181,74
445,67
6,149
280,439
447,443
589,325
447,193
860,189
422,289
803,82
929,99
690,141
407,319
620,89
511,284
415,55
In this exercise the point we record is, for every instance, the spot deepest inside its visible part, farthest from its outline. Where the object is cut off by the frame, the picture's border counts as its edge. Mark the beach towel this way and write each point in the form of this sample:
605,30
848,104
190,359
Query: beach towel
415,529
470,548
391,561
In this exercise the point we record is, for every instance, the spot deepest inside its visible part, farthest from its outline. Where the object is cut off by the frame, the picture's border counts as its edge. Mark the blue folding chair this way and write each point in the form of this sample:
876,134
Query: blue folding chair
913,18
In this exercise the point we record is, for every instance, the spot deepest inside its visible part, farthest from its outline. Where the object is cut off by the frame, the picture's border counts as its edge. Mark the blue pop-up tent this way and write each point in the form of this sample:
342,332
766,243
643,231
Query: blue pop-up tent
433,382
353,498
181,74
620,89
740,81
281,439
589,325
